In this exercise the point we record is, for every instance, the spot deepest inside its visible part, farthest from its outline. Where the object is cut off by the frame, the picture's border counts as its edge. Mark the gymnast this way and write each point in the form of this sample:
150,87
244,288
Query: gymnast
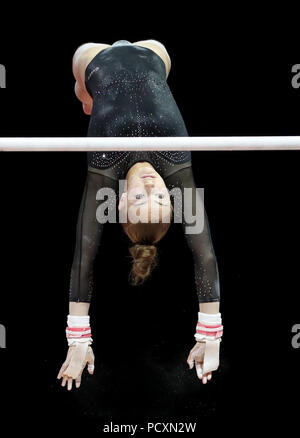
123,87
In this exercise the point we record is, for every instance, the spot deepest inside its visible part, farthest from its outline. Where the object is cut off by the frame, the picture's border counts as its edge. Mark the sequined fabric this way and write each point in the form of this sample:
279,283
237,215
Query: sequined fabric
132,98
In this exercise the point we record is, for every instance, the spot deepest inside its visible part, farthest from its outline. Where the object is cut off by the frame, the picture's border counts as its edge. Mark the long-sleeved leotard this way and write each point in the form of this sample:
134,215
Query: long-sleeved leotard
131,98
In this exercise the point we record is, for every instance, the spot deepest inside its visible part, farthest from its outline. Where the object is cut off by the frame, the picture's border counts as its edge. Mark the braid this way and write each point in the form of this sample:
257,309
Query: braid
144,260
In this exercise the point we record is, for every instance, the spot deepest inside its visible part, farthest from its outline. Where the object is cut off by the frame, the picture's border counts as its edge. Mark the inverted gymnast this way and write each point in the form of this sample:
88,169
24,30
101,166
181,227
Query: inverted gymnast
123,87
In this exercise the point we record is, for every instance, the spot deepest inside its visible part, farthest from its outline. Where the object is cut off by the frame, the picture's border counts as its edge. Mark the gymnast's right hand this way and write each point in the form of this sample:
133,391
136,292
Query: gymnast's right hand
78,356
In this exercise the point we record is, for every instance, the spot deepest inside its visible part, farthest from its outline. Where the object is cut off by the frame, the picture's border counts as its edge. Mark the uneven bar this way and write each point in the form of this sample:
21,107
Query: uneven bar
245,143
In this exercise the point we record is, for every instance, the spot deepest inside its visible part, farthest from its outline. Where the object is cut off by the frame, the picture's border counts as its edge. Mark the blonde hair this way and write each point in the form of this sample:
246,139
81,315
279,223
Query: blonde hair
143,262
144,252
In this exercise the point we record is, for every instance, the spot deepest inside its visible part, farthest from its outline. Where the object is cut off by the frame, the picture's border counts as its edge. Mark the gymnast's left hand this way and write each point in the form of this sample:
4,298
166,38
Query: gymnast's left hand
205,357
77,358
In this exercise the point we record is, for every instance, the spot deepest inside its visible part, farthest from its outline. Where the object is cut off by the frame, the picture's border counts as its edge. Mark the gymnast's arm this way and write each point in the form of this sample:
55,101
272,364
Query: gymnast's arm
88,236
200,243
96,208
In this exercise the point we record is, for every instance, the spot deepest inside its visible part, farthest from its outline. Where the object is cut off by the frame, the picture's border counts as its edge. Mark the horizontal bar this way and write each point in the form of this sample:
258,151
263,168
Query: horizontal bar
18,144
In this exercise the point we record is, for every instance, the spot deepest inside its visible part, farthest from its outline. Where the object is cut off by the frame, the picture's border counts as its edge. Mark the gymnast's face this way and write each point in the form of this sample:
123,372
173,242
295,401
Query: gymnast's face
147,196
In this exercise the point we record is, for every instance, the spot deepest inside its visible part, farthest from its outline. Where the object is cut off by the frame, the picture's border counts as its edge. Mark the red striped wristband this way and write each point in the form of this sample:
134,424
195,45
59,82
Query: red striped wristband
209,327
78,329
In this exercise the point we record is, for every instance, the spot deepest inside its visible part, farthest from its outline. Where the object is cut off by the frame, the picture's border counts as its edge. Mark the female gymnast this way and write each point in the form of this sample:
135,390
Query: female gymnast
123,87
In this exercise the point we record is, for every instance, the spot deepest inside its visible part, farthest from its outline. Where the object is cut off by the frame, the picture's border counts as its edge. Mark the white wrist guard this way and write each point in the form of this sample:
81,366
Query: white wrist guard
78,330
209,327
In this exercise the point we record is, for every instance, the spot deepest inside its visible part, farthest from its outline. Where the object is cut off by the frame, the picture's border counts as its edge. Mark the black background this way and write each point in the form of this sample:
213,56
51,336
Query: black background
228,78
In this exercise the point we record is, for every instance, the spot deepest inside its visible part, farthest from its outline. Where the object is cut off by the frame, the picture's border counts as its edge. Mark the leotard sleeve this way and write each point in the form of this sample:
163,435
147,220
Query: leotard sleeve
200,244
88,235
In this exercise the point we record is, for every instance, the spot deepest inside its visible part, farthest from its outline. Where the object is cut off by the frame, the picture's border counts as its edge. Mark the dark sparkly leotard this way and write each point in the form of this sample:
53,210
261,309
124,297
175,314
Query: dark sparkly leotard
131,98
